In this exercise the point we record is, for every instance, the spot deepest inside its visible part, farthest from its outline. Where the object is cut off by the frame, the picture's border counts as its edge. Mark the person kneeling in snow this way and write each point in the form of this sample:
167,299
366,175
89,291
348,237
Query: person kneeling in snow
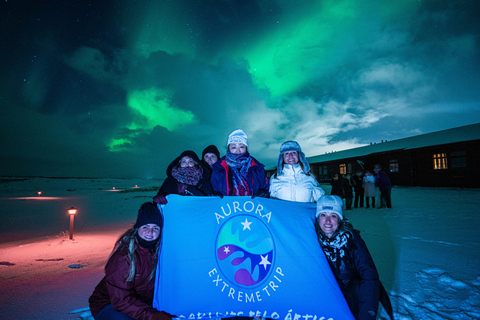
350,261
126,291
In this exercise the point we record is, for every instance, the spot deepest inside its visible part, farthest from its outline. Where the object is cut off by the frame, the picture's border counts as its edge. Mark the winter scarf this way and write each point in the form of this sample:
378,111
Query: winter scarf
337,247
187,175
239,164
150,245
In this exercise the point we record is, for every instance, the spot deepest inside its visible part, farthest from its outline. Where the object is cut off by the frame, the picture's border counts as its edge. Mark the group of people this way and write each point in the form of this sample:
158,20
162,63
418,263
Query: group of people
361,186
126,291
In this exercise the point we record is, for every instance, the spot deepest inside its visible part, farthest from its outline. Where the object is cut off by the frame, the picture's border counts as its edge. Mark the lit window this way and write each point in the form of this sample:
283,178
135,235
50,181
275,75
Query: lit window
343,169
393,166
440,161
458,159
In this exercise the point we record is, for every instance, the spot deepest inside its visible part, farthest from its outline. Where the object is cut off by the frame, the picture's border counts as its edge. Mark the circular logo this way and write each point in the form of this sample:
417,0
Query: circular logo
245,250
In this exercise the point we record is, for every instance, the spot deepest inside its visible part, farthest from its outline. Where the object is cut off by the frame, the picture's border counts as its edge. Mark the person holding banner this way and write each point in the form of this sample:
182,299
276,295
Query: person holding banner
186,175
293,180
350,261
238,173
126,291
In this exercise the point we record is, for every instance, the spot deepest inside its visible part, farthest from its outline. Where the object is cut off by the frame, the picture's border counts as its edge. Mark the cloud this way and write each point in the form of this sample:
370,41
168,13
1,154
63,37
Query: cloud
150,81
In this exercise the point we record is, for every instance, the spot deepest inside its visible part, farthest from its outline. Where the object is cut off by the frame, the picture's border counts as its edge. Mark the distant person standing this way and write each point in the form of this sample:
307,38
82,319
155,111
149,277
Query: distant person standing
357,183
385,185
348,190
337,186
369,188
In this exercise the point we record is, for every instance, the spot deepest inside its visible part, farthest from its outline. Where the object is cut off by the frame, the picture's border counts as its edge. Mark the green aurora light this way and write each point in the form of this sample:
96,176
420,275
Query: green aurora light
151,108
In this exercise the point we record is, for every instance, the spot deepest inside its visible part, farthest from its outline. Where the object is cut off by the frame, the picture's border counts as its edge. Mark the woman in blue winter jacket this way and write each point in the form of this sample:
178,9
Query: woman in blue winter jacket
238,173
350,261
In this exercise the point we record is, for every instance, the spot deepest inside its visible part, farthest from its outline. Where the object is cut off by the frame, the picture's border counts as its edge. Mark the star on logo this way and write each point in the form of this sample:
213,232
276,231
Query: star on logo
226,250
264,261
246,224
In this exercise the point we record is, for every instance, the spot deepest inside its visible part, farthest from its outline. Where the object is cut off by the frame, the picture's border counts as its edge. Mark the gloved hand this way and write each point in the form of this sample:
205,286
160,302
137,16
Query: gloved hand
160,199
181,188
218,193
162,315
261,193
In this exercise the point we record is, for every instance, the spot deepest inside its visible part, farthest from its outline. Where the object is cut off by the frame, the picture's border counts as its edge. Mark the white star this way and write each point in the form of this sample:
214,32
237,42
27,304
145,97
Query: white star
226,250
246,224
265,261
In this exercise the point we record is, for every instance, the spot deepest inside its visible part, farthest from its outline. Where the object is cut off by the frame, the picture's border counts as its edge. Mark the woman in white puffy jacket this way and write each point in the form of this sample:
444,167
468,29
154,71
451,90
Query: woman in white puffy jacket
293,180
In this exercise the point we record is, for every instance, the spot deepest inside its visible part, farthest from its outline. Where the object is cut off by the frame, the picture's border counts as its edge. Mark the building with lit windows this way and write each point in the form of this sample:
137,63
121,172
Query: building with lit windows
448,158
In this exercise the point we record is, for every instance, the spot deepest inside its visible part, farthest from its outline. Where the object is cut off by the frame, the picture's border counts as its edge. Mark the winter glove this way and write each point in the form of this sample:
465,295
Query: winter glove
181,188
218,193
261,193
160,199
162,315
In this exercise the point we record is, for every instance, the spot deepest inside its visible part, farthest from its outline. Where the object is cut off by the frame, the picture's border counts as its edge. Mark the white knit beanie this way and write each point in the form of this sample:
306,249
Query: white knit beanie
238,136
331,204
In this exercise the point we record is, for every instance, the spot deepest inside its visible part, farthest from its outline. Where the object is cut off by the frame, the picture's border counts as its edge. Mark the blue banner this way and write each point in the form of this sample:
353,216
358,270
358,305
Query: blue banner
239,256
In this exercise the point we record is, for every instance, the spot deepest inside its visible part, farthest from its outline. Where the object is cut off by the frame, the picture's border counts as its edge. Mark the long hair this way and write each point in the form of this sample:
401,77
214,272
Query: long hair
343,225
301,166
127,242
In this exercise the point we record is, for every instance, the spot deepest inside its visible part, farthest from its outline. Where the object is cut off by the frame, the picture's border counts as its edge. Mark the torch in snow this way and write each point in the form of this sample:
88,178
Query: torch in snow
71,213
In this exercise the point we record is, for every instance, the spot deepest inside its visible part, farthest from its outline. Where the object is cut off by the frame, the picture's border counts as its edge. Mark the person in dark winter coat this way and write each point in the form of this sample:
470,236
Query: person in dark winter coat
238,173
385,185
126,290
186,175
350,261
337,186
348,191
210,155
357,183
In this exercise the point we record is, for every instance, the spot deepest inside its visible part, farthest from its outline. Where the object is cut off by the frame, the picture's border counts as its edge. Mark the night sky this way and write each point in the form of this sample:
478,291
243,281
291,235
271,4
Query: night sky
120,88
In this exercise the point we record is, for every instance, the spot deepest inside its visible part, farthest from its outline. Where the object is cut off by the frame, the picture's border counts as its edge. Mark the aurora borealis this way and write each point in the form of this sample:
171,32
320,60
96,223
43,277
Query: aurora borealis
119,89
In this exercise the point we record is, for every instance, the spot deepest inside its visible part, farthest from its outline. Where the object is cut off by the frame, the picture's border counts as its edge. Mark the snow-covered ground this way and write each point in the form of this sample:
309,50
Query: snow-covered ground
426,248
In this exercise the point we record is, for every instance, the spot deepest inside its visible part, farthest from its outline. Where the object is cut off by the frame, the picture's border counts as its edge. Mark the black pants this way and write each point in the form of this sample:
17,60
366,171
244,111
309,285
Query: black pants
359,197
386,198
348,203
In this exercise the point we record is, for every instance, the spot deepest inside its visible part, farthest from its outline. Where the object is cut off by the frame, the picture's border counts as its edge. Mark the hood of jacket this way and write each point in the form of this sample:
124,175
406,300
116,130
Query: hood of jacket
188,153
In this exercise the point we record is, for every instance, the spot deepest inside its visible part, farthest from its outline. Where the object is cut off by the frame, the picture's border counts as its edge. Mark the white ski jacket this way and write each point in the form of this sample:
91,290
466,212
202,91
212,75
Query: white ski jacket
295,185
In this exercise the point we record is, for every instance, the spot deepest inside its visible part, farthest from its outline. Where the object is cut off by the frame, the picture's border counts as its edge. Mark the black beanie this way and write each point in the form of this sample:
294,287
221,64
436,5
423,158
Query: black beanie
211,149
149,213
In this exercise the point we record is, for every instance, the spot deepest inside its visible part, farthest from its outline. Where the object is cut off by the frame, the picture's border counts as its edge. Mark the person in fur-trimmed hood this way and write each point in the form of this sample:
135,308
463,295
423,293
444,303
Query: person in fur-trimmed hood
350,261
186,175
293,180
238,173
